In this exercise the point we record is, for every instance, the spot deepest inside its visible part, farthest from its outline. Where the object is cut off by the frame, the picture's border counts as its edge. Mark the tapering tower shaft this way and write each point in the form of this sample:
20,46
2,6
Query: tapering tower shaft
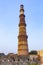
22,37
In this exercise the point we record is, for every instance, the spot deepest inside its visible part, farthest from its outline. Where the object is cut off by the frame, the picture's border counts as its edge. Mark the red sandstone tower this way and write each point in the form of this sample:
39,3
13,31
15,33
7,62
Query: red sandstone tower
22,37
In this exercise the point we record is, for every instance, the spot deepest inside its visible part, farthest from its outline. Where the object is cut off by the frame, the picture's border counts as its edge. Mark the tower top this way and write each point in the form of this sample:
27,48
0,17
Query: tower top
21,6
21,9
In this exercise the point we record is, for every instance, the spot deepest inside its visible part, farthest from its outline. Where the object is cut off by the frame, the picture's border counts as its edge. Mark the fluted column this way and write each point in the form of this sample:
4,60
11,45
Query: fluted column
22,37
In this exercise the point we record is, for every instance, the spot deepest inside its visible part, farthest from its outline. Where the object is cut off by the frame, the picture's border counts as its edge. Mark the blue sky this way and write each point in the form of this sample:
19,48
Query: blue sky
9,20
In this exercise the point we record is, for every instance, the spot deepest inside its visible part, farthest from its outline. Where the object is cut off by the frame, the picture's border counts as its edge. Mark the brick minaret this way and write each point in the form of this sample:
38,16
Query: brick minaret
22,37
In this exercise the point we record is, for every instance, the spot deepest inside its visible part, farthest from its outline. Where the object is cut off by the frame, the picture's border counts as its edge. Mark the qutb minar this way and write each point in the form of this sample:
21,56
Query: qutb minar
22,37
23,57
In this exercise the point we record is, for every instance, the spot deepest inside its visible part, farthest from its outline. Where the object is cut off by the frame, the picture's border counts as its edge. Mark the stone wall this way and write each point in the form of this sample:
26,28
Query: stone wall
14,59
